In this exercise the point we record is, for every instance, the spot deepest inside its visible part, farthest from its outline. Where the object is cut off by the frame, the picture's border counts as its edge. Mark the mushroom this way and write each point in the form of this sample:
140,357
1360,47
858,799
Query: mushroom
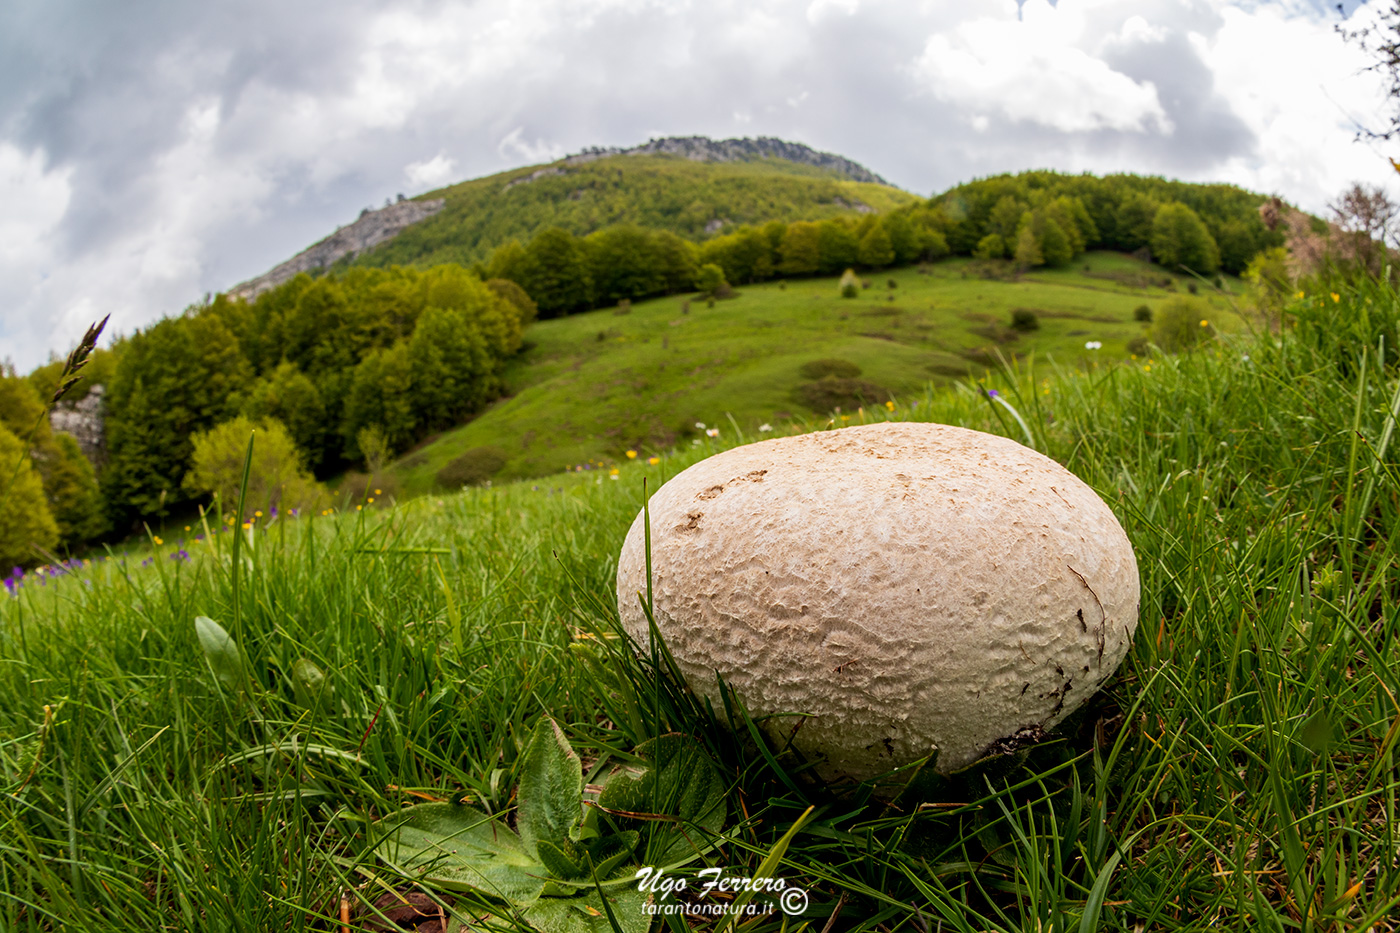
884,593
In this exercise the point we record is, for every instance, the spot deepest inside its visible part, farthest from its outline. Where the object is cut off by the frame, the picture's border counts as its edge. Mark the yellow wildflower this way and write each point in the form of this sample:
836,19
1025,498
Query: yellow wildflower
890,405
653,460
1205,323
631,455
1336,298
258,513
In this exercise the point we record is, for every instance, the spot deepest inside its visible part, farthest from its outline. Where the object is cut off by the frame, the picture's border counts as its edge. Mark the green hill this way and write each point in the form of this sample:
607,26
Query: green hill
590,387
661,192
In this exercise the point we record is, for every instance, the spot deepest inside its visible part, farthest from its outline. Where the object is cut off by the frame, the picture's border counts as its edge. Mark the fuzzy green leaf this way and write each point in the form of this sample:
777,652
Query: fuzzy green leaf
586,913
677,780
551,789
459,847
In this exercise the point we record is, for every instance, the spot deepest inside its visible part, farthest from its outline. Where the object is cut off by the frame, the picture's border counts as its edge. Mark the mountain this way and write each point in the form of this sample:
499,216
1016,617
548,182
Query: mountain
691,186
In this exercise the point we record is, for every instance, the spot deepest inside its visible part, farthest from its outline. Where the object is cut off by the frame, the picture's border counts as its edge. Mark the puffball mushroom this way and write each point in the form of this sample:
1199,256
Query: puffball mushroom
903,588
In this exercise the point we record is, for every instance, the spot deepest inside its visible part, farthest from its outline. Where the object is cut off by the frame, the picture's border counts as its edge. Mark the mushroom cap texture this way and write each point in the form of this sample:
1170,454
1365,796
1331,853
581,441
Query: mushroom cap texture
908,587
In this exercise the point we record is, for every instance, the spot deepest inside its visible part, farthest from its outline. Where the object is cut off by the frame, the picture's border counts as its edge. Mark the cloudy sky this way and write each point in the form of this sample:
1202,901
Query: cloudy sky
153,151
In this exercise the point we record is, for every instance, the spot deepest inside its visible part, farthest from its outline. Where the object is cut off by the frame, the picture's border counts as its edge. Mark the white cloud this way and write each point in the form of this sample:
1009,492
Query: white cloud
133,180
514,145
1031,70
35,198
430,173
1301,89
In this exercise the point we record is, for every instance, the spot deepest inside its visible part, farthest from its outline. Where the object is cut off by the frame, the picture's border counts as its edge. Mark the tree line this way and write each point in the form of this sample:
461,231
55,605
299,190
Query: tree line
362,363
1030,220
371,356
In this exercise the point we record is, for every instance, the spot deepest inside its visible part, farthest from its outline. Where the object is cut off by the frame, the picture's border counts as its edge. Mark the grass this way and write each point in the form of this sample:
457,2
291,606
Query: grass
592,386
1238,773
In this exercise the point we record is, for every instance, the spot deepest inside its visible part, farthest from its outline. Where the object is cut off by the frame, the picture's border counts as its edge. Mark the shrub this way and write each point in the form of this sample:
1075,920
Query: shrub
685,307
624,306
374,446
1140,346
276,478
1181,324
832,392
710,279
1143,314
472,468
1024,320
891,283
1192,287
850,285
820,369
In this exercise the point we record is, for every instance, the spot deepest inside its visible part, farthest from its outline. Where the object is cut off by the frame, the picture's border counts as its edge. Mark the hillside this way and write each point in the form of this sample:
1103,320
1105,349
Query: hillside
591,386
658,191
692,186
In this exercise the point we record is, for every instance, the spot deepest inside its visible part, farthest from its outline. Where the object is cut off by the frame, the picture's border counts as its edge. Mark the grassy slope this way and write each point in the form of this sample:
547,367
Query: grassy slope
595,385
661,192
1249,782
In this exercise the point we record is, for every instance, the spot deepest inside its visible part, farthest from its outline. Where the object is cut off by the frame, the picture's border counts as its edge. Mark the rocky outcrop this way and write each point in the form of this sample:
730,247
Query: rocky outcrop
704,149
372,228
84,420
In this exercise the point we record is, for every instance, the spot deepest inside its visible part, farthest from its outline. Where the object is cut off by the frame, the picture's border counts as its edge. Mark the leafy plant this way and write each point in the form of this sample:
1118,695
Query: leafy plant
565,871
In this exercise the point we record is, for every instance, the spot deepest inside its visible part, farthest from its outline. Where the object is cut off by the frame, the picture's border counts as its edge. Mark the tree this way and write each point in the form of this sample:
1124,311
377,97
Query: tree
1134,222
381,393
21,408
276,479
554,271
1028,253
509,291
837,247
1180,240
1005,218
70,486
623,263
876,251
505,261
174,380
902,237
1382,41
675,260
991,246
1365,219
800,250
26,525
452,369
289,396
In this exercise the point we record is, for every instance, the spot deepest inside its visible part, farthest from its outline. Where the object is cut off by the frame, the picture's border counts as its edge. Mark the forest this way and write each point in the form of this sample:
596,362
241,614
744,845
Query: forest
352,368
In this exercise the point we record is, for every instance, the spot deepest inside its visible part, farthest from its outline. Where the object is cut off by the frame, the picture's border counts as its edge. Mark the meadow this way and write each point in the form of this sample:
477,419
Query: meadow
1239,773
589,387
